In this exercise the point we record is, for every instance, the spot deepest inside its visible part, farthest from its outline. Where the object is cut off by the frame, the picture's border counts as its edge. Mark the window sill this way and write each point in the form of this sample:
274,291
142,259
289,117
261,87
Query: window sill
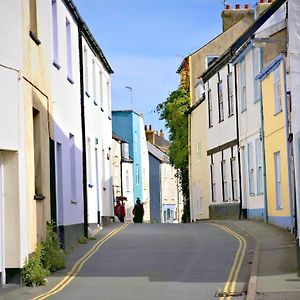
277,113
243,110
96,103
56,65
34,38
220,121
73,202
210,126
102,109
259,194
109,118
70,80
256,101
90,185
231,115
252,194
87,94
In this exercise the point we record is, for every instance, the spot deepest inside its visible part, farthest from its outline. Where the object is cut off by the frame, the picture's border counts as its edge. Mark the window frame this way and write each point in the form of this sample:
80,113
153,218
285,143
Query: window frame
220,101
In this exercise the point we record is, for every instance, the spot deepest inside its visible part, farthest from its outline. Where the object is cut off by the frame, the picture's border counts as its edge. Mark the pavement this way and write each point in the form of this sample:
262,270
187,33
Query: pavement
274,266
14,291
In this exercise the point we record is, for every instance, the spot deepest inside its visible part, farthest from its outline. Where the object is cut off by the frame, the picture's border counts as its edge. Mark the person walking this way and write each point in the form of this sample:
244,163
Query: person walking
138,212
119,211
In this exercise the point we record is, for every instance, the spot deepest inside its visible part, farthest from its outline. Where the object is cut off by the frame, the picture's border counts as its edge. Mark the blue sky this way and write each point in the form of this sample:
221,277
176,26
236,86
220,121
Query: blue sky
145,41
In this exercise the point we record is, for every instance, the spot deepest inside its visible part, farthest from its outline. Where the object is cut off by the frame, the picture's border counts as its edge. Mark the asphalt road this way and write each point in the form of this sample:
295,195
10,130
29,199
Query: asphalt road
160,261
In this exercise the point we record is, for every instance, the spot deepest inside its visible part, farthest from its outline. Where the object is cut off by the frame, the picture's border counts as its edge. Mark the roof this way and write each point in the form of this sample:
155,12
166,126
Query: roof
199,49
88,35
157,152
118,138
226,57
127,111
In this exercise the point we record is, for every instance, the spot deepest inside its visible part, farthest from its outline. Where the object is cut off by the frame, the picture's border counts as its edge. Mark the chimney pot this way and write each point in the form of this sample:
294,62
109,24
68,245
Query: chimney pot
150,127
228,6
247,6
261,1
146,127
238,6
270,1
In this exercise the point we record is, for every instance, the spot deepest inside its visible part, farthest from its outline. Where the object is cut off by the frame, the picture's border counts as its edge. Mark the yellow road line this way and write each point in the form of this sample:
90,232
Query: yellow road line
237,263
78,265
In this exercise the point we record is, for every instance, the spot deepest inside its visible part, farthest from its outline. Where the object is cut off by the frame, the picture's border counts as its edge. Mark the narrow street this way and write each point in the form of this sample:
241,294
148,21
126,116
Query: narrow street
162,261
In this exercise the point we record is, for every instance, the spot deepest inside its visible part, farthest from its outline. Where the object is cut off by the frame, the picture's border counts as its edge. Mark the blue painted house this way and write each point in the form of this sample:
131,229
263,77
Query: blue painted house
156,157
127,125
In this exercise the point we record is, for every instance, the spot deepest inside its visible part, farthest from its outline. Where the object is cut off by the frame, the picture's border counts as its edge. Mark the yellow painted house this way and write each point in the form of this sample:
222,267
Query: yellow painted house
276,136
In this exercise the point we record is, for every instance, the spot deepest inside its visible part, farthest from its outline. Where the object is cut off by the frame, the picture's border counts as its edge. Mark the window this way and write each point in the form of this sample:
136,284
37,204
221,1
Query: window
94,83
230,94
125,150
33,31
243,86
108,98
127,181
256,71
251,169
210,115
235,196
224,180
213,183
220,101
198,150
259,168
200,90
278,181
72,166
86,72
69,49
101,90
277,91
55,33
210,59
89,162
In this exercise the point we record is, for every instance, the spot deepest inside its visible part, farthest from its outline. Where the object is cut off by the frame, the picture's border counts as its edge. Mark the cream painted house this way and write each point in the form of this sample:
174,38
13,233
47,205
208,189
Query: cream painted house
190,70
26,105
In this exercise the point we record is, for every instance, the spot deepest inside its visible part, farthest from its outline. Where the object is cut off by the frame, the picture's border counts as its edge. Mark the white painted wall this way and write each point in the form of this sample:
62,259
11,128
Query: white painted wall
249,132
67,119
127,168
98,128
145,172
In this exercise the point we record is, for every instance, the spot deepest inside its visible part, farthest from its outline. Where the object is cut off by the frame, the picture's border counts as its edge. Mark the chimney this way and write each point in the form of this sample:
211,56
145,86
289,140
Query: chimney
150,134
231,16
261,7
161,133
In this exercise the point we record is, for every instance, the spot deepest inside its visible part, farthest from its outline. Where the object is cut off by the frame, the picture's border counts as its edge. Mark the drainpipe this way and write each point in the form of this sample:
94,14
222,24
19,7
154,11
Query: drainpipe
266,216
84,171
121,169
238,143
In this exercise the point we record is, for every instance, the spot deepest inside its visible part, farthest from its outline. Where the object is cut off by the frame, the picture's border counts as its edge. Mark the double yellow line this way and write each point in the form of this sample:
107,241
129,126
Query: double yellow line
229,287
78,265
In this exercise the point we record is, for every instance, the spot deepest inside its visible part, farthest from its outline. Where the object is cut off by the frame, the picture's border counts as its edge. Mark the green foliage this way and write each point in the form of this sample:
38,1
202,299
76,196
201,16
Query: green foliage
174,110
33,272
92,238
53,257
82,240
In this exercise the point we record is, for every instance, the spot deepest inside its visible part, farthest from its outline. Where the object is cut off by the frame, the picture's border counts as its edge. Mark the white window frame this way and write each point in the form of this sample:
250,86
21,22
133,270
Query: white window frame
220,100
55,34
86,71
235,196
72,167
251,174
277,91
259,167
230,94
209,63
69,50
213,183
210,109
243,90
278,182
224,180
256,58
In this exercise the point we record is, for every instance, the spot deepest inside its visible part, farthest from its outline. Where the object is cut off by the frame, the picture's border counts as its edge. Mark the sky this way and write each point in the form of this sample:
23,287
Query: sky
145,42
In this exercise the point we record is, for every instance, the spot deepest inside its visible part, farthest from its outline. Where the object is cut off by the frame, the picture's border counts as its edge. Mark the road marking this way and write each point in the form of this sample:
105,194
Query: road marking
78,265
237,263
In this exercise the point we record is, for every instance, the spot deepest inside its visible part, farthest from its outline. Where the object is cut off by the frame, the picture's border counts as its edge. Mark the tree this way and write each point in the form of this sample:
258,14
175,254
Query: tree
174,111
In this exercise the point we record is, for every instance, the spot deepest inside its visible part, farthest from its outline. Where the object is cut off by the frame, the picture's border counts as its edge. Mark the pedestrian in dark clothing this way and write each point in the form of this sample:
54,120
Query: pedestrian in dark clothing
138,212
119,211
